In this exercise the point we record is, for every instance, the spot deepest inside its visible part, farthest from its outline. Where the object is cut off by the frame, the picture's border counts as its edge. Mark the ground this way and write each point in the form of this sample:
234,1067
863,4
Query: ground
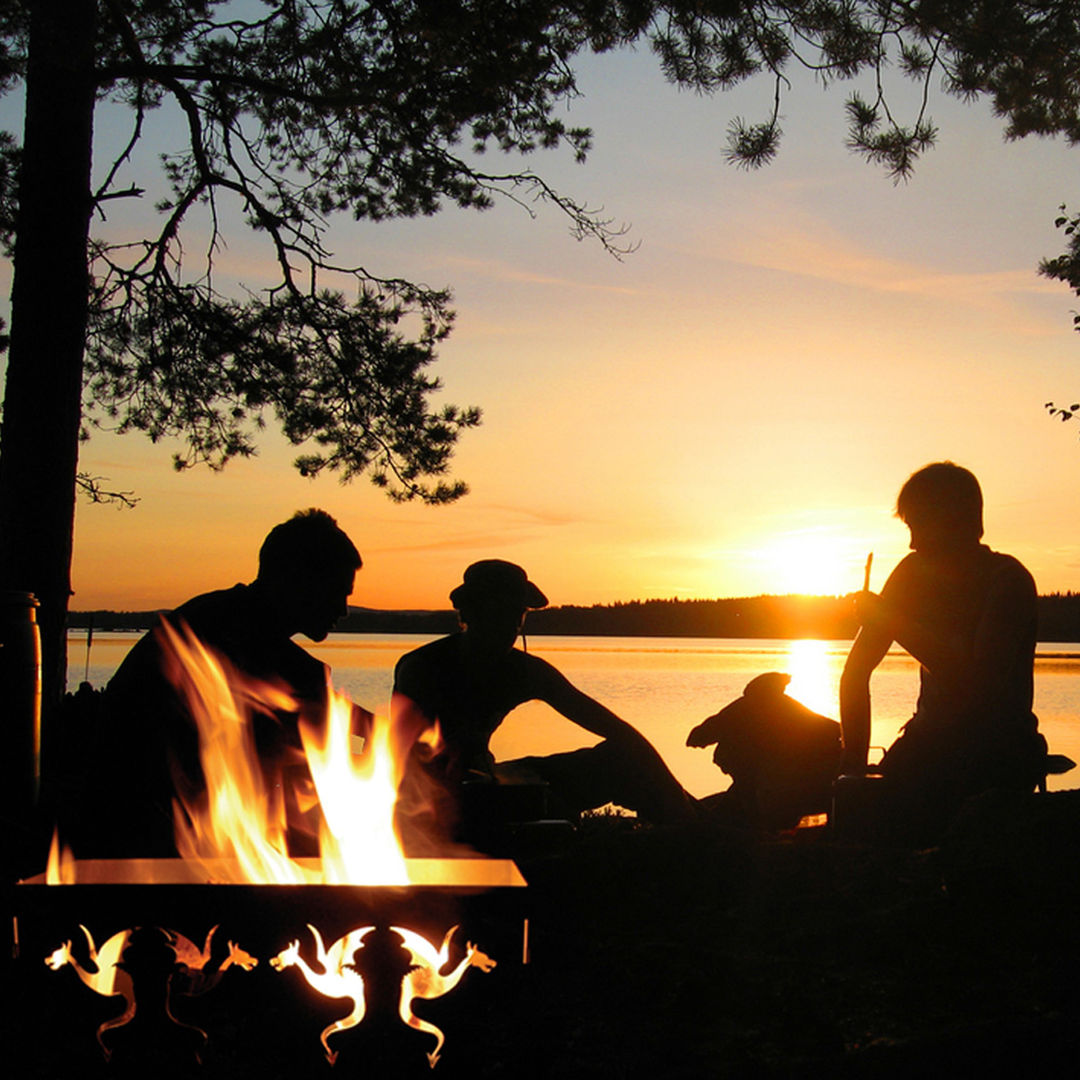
704,951
700,952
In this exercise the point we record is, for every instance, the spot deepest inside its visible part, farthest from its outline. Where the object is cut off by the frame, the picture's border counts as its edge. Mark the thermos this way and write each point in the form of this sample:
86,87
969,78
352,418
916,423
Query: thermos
856,806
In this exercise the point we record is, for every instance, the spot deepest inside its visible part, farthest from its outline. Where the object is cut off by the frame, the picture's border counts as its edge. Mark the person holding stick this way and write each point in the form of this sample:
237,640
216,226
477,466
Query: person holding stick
968,615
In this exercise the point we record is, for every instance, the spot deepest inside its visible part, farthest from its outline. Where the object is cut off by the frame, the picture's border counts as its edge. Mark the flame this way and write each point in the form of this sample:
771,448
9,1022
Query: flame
237,829
60,868
430,738
358,839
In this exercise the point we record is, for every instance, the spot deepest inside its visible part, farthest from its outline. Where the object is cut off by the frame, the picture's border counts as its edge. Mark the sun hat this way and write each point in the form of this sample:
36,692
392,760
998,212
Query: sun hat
496,579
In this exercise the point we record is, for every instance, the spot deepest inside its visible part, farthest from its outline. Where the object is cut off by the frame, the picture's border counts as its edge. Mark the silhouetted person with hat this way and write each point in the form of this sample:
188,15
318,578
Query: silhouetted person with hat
471,680
307,568
968,615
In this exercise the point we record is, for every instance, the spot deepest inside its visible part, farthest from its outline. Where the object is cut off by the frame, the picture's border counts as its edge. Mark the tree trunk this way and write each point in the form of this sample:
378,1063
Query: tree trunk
42,403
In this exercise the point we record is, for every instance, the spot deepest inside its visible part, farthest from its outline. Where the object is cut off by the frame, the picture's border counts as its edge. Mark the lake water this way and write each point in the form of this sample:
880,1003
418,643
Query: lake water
663,686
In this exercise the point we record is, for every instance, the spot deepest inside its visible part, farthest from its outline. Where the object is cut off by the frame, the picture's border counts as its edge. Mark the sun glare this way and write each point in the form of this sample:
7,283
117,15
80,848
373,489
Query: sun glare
812,678
809,562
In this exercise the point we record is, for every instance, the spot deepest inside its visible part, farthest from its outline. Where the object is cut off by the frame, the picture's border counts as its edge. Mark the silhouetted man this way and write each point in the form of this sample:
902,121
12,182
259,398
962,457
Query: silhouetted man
471,680
307,567
968,615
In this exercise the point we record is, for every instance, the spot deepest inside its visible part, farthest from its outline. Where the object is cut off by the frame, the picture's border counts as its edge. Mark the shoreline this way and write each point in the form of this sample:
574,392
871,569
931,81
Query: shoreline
787,618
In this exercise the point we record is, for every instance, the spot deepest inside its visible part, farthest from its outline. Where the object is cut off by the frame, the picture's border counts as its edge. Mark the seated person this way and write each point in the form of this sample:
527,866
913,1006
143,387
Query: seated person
968,615
307,566
471,680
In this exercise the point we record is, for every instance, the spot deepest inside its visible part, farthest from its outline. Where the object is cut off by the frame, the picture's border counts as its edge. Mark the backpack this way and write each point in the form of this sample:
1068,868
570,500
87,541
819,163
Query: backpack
782,757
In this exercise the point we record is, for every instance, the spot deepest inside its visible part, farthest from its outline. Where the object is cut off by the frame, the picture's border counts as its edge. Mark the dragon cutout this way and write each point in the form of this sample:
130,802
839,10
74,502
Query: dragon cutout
424,981
339,978
192,976
109,980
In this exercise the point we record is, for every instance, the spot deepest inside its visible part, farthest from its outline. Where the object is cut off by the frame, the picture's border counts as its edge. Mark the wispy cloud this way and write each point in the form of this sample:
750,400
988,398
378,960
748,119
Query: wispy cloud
488,540
509,526
820,255
809,248
499,270
529,515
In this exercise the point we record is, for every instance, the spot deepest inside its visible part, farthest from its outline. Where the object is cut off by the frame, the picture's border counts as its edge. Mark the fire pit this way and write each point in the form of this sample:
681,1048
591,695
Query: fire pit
260,974
241,955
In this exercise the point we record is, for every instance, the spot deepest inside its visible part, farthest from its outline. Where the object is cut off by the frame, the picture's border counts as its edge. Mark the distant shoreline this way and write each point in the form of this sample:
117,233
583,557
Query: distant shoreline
784,617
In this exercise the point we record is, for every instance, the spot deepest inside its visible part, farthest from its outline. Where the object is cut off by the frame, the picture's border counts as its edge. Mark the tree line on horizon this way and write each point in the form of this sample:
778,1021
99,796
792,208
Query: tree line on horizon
791,616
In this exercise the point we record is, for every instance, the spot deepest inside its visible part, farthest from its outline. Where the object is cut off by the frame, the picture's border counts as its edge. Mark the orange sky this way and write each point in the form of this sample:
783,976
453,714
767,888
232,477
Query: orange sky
728,411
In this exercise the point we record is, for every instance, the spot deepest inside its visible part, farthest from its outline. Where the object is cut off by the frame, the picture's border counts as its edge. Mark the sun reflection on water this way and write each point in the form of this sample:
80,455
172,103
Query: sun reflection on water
813,681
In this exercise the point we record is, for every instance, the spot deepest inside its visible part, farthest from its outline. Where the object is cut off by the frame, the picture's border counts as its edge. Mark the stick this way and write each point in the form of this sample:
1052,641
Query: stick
89,642
866,575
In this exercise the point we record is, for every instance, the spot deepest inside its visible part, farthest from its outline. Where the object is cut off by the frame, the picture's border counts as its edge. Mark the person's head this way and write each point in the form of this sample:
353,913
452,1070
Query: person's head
309,566
942,505
492,601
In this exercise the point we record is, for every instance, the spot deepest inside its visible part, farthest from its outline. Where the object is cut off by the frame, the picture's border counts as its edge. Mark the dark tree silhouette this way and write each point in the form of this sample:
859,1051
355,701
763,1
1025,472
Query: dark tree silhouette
1066,267
296,110
292,112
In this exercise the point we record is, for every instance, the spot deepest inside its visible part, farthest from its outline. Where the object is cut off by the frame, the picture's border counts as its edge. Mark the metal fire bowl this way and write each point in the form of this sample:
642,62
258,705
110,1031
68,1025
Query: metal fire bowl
123,893
261,1020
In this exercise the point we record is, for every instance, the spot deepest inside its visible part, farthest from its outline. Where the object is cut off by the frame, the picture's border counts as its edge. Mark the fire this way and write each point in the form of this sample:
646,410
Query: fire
345,775
237,829
358,840
60,868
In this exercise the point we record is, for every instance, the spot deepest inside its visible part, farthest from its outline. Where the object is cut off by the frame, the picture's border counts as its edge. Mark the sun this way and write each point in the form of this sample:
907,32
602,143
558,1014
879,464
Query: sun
811,562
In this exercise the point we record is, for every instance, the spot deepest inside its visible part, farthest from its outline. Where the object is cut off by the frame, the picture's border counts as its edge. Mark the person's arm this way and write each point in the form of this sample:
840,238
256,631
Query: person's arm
656,792
867,651
554,689
876,633
412,689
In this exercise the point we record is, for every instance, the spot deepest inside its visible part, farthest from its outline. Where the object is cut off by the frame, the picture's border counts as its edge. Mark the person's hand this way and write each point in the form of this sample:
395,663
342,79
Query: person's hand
869,609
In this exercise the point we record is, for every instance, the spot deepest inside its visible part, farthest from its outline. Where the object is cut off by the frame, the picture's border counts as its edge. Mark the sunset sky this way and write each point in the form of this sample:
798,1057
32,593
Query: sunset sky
728,411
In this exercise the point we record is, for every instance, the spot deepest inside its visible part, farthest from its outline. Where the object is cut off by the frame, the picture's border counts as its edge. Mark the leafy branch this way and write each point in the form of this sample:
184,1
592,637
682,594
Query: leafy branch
92,487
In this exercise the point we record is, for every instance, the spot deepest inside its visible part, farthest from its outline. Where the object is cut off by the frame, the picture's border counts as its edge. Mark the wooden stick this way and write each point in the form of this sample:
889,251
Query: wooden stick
866,575
89,642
